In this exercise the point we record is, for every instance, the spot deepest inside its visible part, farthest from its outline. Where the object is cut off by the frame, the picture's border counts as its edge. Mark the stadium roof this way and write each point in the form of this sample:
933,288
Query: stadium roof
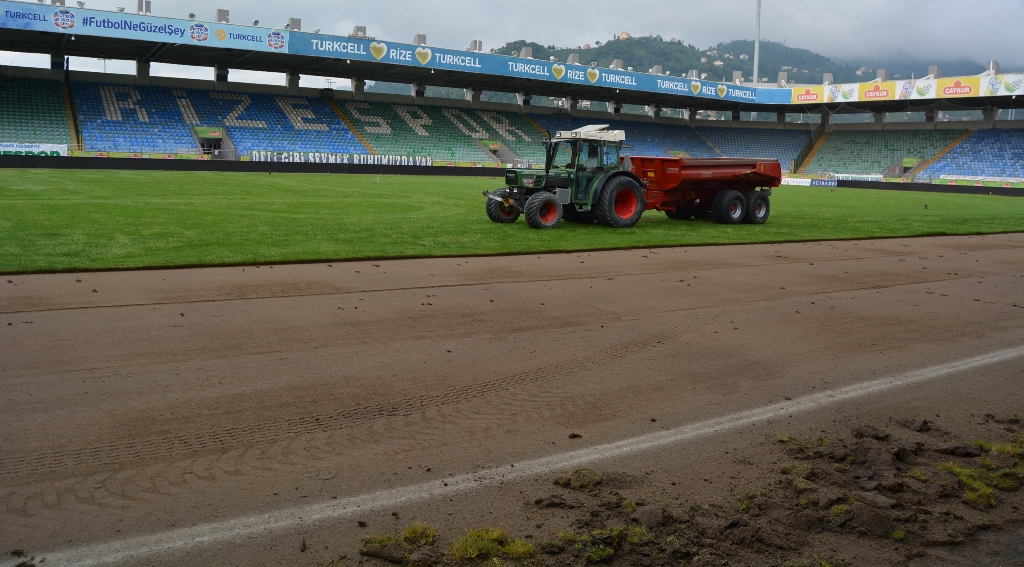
41,28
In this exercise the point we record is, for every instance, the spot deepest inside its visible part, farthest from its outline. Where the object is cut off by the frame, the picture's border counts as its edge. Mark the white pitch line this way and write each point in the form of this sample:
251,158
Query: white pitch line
138,548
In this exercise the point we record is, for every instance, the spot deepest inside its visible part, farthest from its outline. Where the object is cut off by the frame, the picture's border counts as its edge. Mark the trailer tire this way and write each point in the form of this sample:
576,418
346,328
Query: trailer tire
621,203
682,213
570,214
759,206
543,210
729,207
498,212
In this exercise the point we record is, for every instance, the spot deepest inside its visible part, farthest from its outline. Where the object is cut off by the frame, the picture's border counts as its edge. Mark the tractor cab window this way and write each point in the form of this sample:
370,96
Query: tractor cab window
611,155
592,155
562,155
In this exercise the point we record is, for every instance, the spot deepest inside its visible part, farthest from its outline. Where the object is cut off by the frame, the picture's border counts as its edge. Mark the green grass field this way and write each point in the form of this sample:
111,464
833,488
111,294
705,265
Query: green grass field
80,220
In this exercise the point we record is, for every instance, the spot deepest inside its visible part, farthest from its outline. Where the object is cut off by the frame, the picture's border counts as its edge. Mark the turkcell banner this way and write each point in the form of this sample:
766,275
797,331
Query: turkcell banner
320,157
475,62
9,149
81,21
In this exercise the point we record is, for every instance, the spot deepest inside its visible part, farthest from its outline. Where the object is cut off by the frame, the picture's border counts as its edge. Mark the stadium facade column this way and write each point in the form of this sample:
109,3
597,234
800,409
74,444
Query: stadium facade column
573,104
929,115
691,117
879,119
220,73
524,100
419,91
736,116
141,72
57,65
988,116
780,117
654,111
358,88
473,95
293,82
614,108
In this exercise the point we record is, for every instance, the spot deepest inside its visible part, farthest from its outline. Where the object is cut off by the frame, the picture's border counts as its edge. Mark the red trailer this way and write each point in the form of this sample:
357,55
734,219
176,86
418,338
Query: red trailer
730,190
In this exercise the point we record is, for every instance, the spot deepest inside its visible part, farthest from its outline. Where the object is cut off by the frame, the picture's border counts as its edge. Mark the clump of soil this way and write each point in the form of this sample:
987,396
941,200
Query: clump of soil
899,497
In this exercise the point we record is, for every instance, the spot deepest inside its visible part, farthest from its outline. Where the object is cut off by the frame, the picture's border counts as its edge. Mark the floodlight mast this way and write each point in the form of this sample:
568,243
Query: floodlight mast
757,42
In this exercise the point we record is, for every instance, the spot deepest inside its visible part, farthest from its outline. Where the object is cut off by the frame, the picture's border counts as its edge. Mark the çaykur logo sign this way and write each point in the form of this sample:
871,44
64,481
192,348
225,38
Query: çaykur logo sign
958,88
64,19
876,92
808,96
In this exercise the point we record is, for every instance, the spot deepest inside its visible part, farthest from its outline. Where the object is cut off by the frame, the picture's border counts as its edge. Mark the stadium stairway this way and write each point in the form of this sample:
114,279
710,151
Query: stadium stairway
32,111
984,153
810,155
874,151
917,169
123,118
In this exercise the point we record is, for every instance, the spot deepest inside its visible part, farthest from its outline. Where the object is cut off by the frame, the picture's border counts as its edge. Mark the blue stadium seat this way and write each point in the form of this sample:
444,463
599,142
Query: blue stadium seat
985,153
131,118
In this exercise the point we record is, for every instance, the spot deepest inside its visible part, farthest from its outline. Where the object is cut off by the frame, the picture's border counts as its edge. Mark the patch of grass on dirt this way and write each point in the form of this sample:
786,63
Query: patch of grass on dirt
637,534
917,475
976,491
419,533
489,544
60,220
899,535
580,479
381,540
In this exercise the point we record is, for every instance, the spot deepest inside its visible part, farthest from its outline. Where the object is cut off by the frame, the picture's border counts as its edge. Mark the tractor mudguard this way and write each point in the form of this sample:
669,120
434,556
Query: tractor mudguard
604,179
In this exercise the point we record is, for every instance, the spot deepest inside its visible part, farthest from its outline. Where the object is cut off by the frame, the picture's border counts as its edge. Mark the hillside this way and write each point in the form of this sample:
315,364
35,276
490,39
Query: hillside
802,65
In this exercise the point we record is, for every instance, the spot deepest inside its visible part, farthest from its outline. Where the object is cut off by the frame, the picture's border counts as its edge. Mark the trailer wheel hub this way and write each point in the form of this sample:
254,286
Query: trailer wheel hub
625,204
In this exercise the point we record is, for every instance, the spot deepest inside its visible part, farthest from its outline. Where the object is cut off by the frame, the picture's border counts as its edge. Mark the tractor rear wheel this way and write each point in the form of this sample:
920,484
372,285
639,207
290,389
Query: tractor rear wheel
729,207
758,207
543,210
621,203
498,212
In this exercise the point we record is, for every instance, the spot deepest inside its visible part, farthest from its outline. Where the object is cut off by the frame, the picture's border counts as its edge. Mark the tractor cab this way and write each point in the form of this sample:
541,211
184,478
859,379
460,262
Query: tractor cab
578,165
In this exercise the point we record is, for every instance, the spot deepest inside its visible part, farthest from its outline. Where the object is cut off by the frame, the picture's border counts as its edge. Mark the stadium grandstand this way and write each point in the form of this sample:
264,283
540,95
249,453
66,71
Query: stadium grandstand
34,111
984,153
874,151
93,113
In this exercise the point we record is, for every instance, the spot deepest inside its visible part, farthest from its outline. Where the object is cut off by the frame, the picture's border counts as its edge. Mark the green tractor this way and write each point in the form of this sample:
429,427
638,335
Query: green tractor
584,180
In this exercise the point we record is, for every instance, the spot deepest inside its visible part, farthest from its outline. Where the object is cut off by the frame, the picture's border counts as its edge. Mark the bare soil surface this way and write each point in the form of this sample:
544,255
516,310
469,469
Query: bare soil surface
141,402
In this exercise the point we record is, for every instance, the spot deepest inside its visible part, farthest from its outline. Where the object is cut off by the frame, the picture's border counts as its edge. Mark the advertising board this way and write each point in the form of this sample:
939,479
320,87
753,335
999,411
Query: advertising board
14,149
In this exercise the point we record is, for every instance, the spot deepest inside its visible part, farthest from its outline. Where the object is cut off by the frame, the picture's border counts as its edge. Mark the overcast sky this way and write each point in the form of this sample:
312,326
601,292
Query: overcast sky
851,30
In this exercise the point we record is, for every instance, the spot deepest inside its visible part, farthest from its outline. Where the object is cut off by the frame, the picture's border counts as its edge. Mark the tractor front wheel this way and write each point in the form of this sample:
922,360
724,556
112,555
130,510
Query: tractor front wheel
543,210
621,203
498,212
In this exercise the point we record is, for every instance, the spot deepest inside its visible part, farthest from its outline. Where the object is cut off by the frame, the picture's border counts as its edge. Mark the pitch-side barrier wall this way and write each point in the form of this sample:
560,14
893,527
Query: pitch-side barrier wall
55,162
38,162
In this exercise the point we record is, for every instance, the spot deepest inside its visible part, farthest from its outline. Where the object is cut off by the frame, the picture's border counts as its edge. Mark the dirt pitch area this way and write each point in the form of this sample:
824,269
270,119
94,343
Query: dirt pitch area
279,415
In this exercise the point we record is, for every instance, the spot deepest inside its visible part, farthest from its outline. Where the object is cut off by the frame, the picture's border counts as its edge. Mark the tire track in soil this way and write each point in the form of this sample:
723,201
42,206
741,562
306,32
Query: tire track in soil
170,447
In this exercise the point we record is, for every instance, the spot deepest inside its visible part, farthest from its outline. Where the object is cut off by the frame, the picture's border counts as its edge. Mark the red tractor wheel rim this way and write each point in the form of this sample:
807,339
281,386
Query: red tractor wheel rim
625,204
548,213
